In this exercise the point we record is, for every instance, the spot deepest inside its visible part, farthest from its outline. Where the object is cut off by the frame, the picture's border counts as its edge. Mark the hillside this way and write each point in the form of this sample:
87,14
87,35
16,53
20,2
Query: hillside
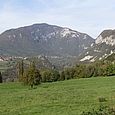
10,67
44,39
103,46
110,58
70,97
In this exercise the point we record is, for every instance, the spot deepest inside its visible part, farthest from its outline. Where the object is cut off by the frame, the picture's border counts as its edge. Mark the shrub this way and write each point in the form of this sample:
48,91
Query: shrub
101,99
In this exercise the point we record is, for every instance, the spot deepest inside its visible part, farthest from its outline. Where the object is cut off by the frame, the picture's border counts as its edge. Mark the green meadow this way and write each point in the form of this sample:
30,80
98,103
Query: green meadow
70,97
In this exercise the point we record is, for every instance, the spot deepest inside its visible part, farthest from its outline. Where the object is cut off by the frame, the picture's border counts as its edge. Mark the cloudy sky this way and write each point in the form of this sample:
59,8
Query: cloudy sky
87,16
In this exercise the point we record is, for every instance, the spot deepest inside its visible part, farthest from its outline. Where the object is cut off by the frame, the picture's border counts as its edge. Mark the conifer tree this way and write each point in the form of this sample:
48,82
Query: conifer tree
20,70
32,64
0,77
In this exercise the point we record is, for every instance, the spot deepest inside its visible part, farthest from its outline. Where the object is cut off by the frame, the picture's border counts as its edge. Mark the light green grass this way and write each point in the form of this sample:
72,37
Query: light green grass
70,97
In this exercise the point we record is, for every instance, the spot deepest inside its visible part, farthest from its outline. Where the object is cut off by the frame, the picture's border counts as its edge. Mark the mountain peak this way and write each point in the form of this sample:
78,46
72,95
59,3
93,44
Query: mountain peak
107,36
66,32
103,46
44,39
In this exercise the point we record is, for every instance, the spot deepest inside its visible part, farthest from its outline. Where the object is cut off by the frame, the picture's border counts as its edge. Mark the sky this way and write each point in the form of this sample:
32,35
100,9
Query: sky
86,16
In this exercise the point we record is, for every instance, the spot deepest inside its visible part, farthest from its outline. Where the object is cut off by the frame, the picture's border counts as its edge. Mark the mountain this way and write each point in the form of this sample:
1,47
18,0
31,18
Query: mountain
44,39
41,62
110,58
103,46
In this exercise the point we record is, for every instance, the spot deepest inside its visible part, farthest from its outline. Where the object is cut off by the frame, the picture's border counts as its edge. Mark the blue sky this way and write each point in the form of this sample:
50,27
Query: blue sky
87,16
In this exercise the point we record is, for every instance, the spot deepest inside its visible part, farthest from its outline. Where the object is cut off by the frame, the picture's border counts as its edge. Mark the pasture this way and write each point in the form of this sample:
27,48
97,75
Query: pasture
70,97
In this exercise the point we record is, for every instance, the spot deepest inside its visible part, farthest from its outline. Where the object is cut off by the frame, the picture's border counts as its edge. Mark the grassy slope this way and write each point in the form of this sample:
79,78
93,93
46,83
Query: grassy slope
70,97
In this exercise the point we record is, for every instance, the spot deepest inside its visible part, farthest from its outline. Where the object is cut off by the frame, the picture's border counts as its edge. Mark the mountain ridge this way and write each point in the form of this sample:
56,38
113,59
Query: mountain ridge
103,46
44,39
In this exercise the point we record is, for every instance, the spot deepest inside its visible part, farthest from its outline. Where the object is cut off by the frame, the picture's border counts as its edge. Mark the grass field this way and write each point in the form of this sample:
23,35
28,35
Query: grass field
70,97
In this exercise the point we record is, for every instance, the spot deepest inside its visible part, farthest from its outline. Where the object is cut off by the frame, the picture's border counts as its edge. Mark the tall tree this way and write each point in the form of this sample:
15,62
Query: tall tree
54,76
1,77
32,64
31,77
62,76
47,75
20,70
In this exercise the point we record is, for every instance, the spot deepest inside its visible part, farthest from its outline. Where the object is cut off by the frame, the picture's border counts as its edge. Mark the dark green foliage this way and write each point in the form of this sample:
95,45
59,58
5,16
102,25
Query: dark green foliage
110,58
50,76
1,77
102,110
110,69
62,76
45,75
81,71
55,76
69,73
31,77
66,72
101,99
20,70
92,70
32,64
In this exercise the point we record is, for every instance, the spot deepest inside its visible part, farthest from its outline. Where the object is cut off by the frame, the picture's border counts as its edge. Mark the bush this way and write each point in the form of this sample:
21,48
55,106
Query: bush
103,110
101,99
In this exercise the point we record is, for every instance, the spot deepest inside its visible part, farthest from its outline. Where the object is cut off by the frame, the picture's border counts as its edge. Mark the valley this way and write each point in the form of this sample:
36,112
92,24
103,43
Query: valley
57,57
76,71
53,48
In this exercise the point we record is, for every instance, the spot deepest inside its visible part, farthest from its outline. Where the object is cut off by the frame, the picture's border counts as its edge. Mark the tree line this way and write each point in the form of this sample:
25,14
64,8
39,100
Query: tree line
79,71
33,76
